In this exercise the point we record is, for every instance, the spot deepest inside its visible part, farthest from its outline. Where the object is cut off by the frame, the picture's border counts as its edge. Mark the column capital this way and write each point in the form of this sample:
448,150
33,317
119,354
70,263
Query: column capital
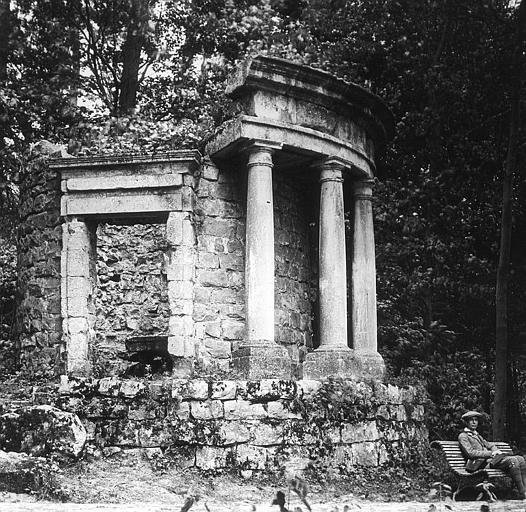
260,152
331,169
363,189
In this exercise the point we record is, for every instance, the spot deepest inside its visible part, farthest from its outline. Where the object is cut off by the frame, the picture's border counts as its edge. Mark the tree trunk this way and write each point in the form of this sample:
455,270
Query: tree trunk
131,55
500,406
74,41
5,32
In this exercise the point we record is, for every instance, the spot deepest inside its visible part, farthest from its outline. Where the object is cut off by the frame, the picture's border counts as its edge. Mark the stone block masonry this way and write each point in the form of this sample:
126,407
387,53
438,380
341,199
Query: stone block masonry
296,285
253,425
180,274
219,309
218,301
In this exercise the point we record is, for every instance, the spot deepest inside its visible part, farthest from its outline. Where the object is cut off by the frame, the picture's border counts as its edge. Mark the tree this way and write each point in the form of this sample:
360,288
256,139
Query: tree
5,30
500,410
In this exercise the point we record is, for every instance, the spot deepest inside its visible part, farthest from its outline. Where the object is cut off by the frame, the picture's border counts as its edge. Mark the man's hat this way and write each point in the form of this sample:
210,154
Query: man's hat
471,414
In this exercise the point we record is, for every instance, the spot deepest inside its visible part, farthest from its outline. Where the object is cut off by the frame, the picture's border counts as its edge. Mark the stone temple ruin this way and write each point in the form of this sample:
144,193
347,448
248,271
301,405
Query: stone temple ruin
234,263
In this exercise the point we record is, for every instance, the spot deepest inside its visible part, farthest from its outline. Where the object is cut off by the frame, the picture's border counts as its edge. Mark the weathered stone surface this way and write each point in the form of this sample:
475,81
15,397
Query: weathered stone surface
232,330
298,433
179,409
155,419
345,363
262,361
190,389
181,346
106,408
39,247
255,457
223,390
20,472
210,171
218,349
383,412
208,457
243,410
132,389
265,434
399,413
365,454
109,386
143,412
307,388
270,389
131,297
363,431
280,411
79,184
207,410
42,430
233,432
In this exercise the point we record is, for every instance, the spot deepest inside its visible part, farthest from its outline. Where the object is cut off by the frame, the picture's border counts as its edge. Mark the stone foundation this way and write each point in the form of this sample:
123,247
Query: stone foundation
266,425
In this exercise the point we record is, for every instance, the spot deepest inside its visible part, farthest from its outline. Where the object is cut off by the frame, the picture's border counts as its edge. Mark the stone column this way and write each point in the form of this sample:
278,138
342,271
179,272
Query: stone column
363,295
333,357
332,272
259,255
76,294
259,356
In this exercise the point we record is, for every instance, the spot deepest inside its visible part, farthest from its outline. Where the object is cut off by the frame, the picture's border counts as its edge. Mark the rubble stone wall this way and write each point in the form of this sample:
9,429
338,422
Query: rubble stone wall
39,321
132,294
250,425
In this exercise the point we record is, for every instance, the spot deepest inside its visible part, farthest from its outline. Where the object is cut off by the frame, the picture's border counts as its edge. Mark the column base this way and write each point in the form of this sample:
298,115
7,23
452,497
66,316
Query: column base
343,363
269,361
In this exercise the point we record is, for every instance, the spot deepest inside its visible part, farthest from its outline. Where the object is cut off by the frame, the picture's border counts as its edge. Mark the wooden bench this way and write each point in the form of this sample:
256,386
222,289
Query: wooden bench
456,463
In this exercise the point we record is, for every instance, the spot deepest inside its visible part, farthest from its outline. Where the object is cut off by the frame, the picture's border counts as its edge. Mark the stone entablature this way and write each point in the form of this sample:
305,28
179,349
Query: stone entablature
283,91
129,184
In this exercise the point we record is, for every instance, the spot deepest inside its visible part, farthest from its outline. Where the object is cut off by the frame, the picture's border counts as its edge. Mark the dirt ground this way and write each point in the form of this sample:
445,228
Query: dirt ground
134,482
134,478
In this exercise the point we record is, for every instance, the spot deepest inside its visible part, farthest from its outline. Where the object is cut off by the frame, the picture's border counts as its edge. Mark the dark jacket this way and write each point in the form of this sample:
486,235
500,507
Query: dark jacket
474,446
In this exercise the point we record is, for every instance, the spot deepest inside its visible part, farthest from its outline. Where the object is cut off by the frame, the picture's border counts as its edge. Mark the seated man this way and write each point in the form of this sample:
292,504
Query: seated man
480,453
